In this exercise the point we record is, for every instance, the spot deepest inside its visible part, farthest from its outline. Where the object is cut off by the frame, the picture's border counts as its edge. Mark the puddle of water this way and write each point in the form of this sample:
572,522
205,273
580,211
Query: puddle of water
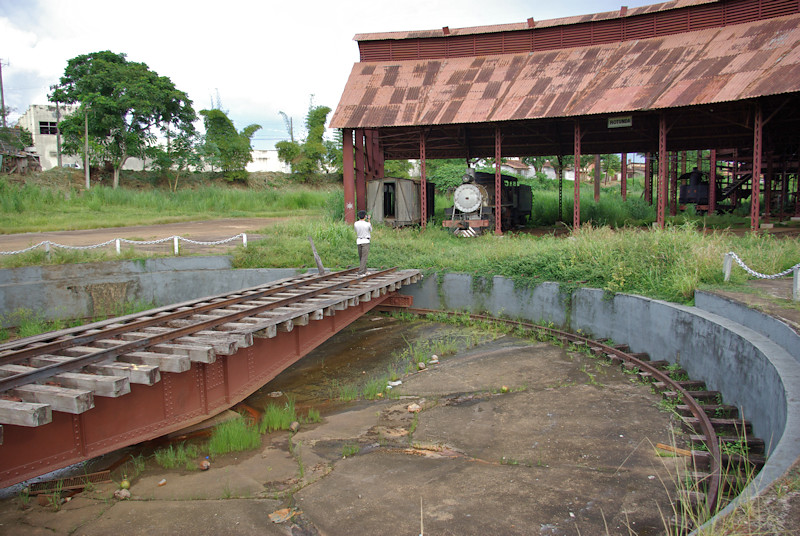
367,349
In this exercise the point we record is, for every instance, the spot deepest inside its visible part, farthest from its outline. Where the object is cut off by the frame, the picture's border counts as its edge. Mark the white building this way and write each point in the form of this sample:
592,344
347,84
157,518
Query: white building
41,120
267,160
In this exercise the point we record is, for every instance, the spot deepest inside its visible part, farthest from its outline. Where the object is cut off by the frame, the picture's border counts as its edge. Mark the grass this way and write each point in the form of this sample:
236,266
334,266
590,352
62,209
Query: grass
35,207
667,264
278,417
183,456
235,435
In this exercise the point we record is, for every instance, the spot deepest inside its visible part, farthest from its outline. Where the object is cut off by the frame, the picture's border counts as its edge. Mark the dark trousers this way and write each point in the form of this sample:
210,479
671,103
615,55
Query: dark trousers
363,253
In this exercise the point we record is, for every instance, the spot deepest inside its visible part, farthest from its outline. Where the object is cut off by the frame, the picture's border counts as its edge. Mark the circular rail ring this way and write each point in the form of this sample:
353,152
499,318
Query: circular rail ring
712,443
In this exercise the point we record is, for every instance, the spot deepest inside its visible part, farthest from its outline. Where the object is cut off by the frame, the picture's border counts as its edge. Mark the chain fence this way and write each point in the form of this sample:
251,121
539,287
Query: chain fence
176,240
727,265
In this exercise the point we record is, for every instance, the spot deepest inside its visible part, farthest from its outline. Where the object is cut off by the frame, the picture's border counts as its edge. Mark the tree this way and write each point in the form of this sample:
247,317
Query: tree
124,103
176,157
226,148
306,158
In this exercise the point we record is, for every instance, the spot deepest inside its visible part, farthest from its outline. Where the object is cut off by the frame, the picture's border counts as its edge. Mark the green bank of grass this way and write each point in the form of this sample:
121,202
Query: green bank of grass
667,264
30,207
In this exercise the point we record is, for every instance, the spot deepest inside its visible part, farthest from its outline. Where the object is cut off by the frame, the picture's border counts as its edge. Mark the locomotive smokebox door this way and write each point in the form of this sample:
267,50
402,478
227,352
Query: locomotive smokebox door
467,198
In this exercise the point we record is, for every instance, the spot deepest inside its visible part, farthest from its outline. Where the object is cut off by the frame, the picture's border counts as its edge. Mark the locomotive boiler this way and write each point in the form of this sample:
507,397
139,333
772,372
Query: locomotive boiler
474,208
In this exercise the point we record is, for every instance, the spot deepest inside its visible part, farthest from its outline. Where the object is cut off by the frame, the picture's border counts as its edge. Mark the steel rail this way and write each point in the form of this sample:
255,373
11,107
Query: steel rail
147,319
152,318
712,443
47,371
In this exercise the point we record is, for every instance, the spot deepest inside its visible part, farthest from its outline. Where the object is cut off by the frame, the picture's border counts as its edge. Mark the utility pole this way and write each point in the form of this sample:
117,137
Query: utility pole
86,146
2,96
58,134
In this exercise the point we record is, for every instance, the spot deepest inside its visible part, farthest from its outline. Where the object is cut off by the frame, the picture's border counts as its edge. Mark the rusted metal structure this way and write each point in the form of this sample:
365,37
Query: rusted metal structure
75,394
682,75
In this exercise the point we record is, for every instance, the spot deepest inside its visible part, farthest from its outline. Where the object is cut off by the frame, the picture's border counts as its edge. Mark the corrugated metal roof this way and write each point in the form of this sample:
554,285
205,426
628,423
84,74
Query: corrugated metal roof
564,21
713,65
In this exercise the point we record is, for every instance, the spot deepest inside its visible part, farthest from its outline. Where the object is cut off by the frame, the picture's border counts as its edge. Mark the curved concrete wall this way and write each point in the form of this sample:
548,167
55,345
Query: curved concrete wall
736,350
96,289
753,372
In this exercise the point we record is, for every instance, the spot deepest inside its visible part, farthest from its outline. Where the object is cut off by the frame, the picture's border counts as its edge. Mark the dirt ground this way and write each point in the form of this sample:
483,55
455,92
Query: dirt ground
200,231
511,438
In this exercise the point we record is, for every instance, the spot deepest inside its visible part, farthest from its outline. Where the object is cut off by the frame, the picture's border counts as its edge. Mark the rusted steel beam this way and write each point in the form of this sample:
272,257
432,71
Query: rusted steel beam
423,193
662,169
712,181
576,198
623,179
361,172
178,401
348,175
756,179
498,181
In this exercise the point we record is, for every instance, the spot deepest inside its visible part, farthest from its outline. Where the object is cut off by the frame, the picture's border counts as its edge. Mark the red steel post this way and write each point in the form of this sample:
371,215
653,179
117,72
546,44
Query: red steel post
662,169
712,181
757,148
361,178
498,215
576,209
423,193
623,179
348,176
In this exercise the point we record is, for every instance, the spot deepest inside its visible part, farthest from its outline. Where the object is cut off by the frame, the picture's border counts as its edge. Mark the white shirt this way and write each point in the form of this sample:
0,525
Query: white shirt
363,230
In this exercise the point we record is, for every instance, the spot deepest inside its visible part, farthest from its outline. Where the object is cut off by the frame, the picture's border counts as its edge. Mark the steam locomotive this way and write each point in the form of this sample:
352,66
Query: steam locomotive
473,209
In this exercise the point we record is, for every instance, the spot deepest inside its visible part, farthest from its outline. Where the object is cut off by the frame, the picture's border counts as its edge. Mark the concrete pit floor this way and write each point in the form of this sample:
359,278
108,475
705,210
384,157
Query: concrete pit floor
567,447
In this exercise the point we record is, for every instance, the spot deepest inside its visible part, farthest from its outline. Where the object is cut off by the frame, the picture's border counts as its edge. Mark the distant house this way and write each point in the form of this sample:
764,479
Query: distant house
517,167
267,161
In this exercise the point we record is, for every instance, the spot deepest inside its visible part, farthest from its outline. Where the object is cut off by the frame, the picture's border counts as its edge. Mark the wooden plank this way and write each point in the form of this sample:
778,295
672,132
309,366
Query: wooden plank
199,353
111,386
24,413
74,401
144,375
165,362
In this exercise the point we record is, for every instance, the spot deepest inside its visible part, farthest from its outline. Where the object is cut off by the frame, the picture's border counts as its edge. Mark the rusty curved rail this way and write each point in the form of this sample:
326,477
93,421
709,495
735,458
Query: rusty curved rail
712,443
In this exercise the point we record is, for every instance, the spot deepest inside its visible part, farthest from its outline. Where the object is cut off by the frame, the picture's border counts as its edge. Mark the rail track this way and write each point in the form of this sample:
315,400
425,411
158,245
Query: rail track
718,471
64,370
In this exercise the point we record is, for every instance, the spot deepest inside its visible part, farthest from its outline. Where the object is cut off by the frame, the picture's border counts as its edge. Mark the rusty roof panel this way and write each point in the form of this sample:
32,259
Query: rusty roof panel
704,66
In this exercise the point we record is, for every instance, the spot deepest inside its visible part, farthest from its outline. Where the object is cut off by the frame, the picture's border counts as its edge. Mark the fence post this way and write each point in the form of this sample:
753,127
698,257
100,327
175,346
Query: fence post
796,284
244,239
175,244
116,242
47,250
727,263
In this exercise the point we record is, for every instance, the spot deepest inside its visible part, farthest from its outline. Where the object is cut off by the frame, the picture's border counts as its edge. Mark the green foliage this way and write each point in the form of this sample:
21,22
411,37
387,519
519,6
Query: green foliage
16,137
398,169
307,158
226,148
183,456
278,417
124,102
233,436
445,174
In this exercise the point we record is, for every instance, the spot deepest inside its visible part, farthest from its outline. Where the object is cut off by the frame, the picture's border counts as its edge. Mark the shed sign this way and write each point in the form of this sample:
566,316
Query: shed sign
620,121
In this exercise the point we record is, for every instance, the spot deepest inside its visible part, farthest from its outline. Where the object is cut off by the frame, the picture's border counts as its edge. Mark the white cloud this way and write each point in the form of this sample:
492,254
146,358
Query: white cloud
262,57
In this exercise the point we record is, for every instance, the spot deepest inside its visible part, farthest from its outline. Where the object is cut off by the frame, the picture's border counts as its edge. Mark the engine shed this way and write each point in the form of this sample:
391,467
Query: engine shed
722,76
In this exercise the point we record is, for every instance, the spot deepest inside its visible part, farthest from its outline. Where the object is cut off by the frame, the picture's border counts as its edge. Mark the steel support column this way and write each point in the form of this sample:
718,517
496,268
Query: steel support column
662,169
423,193
348,176
673,184
712,182
768,189
361,171
377,155
576,208
623,178
757,148
648,178
498,215
597,178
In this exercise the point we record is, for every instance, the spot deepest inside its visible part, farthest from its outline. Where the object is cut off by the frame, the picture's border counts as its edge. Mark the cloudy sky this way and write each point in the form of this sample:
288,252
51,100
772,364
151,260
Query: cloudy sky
261,57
